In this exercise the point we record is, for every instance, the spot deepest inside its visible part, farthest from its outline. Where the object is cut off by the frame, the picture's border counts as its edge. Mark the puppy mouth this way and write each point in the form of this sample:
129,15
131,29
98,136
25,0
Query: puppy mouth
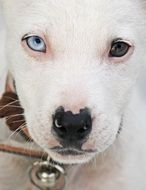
71,151
75,150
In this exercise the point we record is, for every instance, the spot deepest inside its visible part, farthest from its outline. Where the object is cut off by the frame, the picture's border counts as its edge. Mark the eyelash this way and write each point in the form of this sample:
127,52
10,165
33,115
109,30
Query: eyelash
119,43
34,45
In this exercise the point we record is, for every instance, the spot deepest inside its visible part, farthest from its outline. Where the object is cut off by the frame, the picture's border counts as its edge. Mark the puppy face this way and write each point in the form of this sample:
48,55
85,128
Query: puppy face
74,54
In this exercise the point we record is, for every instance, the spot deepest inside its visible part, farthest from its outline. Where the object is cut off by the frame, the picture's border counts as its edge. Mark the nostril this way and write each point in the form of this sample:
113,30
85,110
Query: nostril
58,123
82,130
59,128
58,117
59,113
85,126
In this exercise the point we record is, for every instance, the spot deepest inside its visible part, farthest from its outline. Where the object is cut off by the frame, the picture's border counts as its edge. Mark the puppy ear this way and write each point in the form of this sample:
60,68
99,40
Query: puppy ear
10,108
10,86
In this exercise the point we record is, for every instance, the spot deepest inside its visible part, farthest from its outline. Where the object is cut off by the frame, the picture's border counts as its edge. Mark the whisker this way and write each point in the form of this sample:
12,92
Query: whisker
30,146
10,98
2,107
16,121
13,106
17,131
43,154
13,116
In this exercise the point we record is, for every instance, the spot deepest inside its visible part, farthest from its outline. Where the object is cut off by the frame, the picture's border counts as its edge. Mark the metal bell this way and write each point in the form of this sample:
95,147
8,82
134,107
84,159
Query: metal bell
47,176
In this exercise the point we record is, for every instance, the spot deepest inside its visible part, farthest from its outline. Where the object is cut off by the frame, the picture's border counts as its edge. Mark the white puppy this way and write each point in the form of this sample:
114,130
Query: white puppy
75,64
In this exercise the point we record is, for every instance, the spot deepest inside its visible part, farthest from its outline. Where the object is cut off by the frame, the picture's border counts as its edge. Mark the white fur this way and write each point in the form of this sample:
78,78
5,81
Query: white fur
80,74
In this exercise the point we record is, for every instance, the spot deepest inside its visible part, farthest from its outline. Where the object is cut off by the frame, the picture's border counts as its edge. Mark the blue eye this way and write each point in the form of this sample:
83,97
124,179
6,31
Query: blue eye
36,43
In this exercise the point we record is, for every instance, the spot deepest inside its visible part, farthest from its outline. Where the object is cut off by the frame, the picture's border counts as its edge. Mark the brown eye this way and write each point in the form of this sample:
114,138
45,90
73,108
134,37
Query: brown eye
119,49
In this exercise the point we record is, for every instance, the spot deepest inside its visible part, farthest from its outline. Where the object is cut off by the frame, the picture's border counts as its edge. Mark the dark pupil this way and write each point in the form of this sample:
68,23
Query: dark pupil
37,40
119,49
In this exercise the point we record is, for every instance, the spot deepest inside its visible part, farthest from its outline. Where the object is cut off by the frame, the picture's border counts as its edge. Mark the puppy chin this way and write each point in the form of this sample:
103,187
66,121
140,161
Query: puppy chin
71,159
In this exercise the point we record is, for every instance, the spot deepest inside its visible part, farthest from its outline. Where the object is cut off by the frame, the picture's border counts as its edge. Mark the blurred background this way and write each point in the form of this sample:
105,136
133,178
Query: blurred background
3,66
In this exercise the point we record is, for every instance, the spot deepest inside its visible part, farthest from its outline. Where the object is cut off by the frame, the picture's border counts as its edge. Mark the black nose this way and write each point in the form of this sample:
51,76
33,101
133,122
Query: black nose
70,127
